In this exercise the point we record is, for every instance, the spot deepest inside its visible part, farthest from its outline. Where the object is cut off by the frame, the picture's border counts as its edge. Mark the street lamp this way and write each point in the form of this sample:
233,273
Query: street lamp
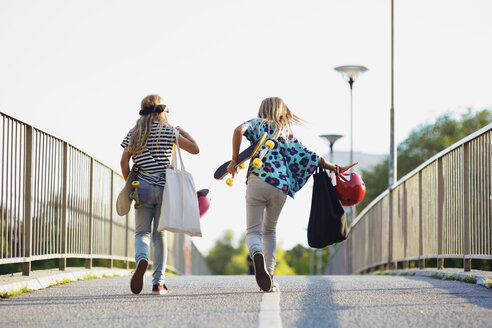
331,139
350,74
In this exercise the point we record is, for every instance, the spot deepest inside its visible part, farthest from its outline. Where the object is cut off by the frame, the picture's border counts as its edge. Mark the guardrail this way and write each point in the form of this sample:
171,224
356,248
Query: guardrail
56,202
441,210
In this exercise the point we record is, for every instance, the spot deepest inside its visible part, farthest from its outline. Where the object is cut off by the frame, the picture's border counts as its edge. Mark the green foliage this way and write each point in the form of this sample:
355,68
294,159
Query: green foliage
436,276
15,292
221,254
452,277
423,142
298,259
237,264
283,267
225,259
469,279
376,181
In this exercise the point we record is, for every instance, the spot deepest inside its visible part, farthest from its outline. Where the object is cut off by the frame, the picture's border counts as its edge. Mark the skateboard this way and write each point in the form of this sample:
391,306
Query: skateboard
124,201
245,155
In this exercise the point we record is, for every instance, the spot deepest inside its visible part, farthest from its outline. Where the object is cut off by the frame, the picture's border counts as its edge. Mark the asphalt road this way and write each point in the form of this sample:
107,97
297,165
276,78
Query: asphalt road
236,301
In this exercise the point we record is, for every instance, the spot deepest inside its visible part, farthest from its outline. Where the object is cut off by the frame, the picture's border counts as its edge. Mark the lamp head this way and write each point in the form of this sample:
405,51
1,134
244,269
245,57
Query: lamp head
331,138
350,72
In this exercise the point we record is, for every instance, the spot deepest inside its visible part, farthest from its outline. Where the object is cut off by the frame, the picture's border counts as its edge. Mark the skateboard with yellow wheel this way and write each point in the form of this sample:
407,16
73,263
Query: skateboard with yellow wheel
245,155
135,185
258,161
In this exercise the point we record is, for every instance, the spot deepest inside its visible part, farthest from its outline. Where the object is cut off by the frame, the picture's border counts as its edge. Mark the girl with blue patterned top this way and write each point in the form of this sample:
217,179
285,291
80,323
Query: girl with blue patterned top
286,169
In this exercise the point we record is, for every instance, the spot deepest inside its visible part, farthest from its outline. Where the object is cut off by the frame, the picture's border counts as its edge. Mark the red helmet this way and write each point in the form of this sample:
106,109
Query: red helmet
203,201
351,191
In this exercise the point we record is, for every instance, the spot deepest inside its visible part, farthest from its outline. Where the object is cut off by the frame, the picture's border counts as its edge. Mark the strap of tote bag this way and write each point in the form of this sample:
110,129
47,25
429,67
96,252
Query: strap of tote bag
182,169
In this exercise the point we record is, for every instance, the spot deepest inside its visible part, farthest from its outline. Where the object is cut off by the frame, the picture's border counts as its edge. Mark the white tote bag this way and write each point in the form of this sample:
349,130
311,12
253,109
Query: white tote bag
179,210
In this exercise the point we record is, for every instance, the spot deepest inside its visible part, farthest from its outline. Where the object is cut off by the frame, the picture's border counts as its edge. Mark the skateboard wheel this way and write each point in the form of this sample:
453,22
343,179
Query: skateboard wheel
136,184
257,162
241,166
269,144
138,206
229,182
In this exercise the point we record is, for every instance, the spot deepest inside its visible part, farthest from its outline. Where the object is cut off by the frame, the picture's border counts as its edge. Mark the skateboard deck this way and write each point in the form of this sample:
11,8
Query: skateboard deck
245,155
124,202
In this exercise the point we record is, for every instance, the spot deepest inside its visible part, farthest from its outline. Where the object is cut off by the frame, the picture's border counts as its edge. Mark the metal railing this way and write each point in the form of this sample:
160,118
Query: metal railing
441,210
56,202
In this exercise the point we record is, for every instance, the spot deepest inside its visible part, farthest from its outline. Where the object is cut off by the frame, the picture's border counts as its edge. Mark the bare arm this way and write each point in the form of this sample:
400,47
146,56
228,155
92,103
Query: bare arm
186,142
236,145
333,167
125,163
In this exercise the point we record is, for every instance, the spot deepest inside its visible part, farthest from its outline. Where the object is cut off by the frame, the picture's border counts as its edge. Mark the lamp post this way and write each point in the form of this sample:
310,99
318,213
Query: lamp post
392,163
350,74
331,139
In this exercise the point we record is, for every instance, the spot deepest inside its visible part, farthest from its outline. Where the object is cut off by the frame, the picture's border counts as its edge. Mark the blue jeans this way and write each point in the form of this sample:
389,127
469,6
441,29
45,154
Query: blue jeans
146,223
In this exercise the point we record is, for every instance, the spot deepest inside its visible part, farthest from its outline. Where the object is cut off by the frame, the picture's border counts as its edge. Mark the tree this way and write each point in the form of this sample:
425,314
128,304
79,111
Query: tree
298,259
225,259
221,254
422,143
237,264
283,267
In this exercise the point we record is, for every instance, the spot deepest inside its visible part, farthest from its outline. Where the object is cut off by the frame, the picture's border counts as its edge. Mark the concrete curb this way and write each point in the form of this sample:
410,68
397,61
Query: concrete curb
481,277
46,278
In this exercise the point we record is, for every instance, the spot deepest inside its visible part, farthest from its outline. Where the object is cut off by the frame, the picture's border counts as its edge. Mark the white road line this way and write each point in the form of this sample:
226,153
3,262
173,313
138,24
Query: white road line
270,310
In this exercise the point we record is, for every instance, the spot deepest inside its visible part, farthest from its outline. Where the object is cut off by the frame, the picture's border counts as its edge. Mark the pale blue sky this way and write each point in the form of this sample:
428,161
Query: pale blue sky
78,70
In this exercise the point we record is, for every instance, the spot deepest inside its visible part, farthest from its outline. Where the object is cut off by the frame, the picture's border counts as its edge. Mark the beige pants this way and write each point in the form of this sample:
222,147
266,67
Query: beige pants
264,203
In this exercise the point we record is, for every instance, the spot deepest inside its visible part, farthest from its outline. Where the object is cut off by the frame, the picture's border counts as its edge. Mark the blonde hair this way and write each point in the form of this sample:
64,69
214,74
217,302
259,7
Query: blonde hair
141,131
273,110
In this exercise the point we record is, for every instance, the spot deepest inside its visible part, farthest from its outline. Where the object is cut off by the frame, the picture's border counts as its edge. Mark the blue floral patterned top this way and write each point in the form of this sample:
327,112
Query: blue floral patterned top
288,165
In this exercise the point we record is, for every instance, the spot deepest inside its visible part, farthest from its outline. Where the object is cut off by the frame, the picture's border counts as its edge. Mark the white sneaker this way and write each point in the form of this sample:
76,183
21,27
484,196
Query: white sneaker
276,287
262,276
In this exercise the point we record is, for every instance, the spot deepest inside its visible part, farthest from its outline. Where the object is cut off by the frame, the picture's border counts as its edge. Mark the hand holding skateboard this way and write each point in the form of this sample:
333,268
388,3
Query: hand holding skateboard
250,152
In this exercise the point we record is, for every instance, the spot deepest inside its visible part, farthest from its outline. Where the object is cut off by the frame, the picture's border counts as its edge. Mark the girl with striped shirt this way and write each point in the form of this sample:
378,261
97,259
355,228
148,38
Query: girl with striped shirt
150,145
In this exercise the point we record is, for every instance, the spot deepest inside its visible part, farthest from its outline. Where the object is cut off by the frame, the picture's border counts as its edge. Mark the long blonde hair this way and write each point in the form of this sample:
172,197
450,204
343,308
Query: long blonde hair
141,131
273,110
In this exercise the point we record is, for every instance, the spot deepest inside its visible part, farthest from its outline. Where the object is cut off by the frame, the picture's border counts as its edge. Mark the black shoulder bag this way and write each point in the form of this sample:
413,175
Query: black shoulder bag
327,221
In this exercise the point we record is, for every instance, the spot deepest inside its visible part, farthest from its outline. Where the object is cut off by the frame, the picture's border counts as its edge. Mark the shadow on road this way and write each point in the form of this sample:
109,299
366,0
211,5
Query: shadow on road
317,306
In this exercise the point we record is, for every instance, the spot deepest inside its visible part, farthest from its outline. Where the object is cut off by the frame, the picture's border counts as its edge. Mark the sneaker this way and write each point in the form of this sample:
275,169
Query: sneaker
263,279
275,286
137,281
159,289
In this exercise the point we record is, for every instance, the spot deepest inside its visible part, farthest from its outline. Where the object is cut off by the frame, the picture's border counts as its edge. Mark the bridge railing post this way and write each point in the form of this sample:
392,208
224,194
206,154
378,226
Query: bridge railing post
127,239
62,262
421,229
405,225
391,264
88,261
26,265
110,260
440,205
466,206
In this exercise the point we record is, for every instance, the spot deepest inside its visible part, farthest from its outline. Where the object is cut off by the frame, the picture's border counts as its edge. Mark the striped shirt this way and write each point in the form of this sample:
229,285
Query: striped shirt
152,162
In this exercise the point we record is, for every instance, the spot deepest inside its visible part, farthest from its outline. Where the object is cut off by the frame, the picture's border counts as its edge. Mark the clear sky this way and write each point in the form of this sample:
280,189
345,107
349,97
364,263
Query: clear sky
78,70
